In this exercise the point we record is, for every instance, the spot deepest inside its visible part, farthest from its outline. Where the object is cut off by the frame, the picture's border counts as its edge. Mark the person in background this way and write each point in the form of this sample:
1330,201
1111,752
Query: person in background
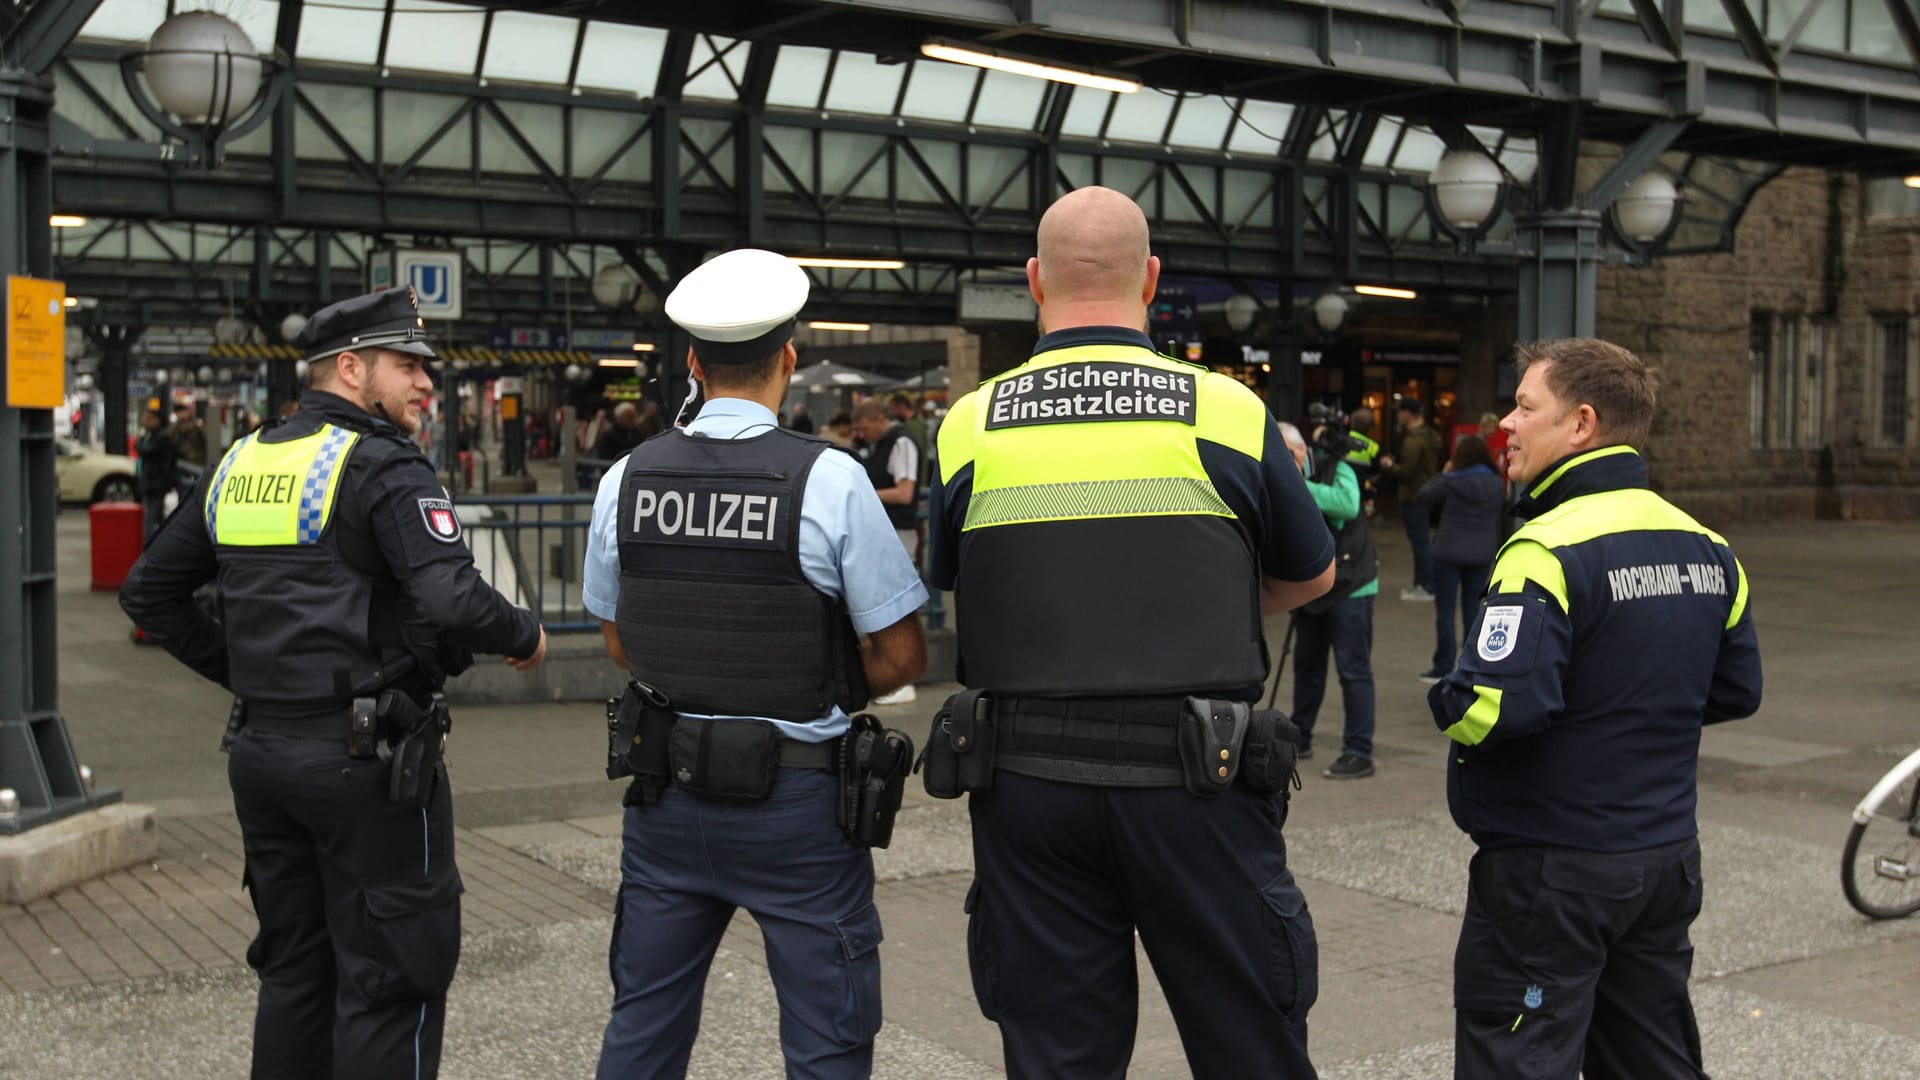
1469,495
158,473
840,431
1419,459
1342,619
652,421
893,465
621,436
1496,441
799,420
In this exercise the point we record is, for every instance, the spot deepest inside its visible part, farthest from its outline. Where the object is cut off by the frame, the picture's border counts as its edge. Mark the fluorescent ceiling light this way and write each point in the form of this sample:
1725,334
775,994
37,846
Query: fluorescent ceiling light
618,361
71,301
849,264
1912,181
1389,293
66,221
851,327
941,50
643,346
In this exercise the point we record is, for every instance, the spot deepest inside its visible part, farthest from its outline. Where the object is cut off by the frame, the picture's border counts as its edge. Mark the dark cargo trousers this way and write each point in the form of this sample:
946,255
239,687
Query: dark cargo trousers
1064,876
686,865
1575,962
359,908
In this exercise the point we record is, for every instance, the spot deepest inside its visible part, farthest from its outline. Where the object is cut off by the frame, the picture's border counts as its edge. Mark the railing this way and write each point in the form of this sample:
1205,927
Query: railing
531,548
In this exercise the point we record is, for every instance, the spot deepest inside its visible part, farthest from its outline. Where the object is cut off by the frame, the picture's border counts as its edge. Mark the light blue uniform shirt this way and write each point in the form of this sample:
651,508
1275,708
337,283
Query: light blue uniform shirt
847,547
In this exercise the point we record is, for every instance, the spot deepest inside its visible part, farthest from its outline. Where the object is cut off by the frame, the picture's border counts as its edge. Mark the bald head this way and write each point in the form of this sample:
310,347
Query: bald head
1093,265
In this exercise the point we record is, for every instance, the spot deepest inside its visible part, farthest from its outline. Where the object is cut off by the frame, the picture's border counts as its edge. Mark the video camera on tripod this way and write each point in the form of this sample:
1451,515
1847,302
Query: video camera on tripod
1331,437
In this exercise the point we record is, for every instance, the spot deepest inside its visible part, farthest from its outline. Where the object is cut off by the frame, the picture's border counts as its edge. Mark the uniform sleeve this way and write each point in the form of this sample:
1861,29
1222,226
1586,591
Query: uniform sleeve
849,549
438,572
1509,682
158,592
600,577
1735,694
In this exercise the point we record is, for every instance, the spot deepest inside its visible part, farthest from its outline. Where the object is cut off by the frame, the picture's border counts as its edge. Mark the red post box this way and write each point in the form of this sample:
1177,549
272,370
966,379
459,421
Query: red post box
117,529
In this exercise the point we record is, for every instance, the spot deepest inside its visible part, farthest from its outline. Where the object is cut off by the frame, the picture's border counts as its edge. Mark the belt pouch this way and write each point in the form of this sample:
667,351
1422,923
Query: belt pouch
1270,752
728,760
1211,734
623,729
236,719
959,754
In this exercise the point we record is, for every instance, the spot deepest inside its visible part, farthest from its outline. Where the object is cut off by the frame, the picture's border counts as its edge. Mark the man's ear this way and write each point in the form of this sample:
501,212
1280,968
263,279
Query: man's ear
694,371
1033,281
1153,280
351,369
1586,427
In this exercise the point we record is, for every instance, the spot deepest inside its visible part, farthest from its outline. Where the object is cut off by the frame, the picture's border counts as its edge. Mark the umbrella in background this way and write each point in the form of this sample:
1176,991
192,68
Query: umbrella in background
829,376
931,379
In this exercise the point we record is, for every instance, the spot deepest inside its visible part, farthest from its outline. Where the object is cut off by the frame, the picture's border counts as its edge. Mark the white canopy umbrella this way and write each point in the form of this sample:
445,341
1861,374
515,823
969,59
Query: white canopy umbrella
828,375
931,379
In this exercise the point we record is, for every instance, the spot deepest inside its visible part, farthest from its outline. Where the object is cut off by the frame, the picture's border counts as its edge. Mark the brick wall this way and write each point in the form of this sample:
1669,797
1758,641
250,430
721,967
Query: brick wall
1689,317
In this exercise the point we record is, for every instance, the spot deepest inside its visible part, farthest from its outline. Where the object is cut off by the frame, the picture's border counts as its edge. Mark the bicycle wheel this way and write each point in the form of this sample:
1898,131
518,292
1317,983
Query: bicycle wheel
1880,869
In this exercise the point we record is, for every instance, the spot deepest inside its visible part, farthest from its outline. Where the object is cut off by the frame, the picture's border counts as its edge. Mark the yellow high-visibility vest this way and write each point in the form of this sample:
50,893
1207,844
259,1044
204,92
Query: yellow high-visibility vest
277,494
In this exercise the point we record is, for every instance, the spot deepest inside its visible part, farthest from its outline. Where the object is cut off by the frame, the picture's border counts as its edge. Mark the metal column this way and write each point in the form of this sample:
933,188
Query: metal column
37,759
1559,279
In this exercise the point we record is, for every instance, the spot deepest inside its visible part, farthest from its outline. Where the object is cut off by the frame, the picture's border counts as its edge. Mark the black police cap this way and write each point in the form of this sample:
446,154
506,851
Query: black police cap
389,319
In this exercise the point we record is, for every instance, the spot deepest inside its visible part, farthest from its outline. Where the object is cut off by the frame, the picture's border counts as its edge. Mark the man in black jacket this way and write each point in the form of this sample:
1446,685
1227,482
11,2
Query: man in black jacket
158,470
343,576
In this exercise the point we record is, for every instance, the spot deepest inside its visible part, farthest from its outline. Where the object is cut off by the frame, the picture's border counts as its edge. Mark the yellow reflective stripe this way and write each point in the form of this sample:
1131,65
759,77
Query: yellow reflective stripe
1096,499
1582,459
1472,728
1231,415
278,494
1524,560
1739,595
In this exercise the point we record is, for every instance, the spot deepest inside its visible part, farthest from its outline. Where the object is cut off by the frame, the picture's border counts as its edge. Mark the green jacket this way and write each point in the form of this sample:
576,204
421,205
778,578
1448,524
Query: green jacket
1420,459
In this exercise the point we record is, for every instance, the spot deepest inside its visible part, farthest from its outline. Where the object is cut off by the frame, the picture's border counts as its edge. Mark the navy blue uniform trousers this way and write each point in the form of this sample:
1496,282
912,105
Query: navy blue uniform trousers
686,864
359,908
1064,876
1575,962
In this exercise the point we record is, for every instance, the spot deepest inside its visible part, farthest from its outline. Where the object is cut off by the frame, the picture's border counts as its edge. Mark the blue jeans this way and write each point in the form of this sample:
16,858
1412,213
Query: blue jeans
1471,582
685,864
1413,516
1348,628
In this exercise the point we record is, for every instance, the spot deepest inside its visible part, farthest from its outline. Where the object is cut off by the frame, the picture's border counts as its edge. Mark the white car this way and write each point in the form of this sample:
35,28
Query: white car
89,476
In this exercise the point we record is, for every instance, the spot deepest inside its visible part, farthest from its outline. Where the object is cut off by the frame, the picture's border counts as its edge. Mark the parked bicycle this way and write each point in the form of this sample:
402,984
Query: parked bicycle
1880,870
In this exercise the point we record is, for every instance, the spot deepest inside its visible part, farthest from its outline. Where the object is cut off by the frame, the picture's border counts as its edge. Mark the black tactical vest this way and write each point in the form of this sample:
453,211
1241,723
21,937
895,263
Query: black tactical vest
901,517
714,609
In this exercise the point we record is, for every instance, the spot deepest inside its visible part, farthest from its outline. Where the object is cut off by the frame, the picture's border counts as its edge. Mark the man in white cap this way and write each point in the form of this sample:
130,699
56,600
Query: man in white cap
731,563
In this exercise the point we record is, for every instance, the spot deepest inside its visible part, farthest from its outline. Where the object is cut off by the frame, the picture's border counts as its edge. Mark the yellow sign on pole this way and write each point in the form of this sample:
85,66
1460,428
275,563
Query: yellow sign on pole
36,359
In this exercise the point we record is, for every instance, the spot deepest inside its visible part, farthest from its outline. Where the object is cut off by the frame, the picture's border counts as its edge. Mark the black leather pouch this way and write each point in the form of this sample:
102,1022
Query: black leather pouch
1270,753
959,753
729,760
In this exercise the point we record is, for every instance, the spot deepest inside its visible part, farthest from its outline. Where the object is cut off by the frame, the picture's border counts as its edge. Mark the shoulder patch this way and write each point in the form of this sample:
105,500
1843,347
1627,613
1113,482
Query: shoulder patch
1499,632
441,522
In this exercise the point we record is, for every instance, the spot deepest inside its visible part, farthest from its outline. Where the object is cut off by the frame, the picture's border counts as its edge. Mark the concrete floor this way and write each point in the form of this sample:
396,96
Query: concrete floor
139,975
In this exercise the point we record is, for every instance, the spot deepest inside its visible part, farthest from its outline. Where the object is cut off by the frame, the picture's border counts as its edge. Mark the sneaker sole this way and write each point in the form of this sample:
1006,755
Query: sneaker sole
1331,775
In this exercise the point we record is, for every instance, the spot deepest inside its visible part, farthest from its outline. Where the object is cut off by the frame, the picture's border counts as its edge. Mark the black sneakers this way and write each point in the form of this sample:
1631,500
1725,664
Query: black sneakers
1306,751
1350,767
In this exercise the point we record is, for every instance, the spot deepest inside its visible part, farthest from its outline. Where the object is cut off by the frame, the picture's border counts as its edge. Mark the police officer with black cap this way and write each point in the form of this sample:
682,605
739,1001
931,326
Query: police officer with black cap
348,595
731,563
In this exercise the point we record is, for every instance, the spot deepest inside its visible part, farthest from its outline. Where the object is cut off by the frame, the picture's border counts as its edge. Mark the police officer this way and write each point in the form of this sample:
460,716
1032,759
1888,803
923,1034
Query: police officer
1614,628
343,574
1114,525
731,562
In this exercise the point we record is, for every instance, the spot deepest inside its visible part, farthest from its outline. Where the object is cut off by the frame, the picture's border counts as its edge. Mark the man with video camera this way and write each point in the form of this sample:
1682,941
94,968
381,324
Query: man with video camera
1343,618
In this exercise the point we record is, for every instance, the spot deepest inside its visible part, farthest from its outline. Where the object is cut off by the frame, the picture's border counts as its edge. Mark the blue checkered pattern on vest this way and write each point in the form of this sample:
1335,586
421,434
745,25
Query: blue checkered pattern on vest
219,480
313,491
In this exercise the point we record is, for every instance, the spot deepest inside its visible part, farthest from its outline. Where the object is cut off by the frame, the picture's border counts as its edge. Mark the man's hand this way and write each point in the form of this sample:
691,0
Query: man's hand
534,661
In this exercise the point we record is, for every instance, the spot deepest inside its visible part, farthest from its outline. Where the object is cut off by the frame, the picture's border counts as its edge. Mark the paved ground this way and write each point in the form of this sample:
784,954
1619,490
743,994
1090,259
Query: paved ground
141,973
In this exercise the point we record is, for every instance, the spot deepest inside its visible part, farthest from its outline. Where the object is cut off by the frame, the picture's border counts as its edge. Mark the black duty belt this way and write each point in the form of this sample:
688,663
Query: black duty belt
795,754
1121,742
335,725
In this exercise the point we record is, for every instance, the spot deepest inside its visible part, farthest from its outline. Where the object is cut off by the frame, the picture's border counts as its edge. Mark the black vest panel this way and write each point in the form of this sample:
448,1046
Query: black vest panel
714,608
901,517
1110,607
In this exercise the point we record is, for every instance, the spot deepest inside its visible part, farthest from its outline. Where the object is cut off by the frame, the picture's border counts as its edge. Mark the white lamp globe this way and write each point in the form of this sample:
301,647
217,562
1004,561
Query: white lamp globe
1329,311
300,369
1467,184
1241,311
576,373
205,375
615,286
291,326
159,376
1646,207
202,68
